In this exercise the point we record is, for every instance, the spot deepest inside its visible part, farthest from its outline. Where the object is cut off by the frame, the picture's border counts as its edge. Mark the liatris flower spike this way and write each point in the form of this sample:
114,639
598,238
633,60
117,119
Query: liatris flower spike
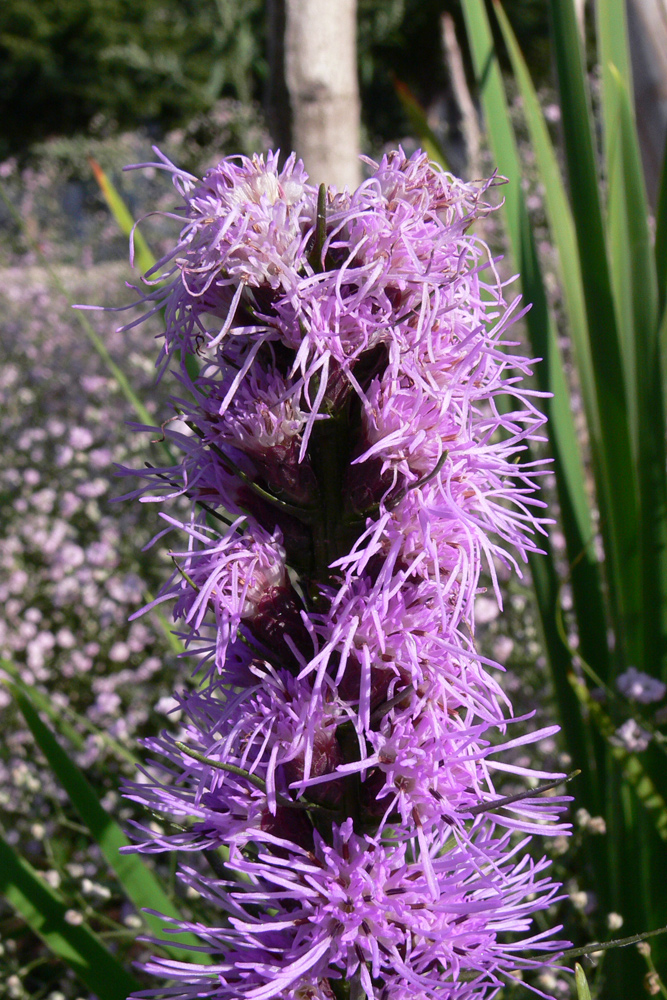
341,358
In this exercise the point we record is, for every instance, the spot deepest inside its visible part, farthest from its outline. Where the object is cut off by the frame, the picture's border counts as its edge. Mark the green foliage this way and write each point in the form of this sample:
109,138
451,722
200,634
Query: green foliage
47,913
137,881
71,65
402,39
65,62
610,274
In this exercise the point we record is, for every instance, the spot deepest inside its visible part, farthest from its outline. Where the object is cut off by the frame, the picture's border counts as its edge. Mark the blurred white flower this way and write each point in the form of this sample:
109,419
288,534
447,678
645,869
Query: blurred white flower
486,610
631,737
80,438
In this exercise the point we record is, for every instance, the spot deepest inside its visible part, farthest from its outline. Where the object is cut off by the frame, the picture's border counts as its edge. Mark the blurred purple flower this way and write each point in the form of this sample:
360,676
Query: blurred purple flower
641,687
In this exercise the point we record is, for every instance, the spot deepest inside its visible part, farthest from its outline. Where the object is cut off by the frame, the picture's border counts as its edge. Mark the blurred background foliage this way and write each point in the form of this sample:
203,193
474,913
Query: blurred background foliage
68,65
105,66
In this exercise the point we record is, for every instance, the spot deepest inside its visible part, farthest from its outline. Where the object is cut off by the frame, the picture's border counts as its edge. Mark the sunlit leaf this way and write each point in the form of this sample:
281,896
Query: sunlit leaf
142,254
139,883
48,915
583,992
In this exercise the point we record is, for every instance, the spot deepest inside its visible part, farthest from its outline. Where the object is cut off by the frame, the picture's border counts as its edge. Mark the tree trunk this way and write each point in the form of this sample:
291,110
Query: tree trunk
321,77
647,29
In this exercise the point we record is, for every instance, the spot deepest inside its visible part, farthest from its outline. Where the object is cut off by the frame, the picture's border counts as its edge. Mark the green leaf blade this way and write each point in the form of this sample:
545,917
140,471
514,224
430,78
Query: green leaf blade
561,224
585,573
419,122
75,944
568,466
143,257
616,473
636,291
583,992
114,369
141,886
661,240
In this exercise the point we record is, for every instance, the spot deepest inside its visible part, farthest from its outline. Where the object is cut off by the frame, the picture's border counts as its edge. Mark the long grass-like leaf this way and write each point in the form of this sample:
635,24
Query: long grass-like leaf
45,912
637,835
614,57
118,374
561,226
639,306
141,886
550,372
167,627
661,241
142,254
635,289
417,117
634,770
44,704
585,577
63,716
613,329
616,84
615,471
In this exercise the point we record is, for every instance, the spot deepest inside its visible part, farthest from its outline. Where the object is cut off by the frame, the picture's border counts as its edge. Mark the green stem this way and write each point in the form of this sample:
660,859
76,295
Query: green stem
254,779
496,804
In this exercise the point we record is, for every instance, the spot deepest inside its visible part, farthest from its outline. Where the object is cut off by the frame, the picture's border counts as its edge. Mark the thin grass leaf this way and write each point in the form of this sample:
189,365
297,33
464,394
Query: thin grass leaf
585,577
417,117
539,322
611,31
617,487
45,911
561,226
167,627
633,840
122,381
636,285
59,716
594,946
139,883
44,704
632,261
636,833
143,257
662,349
550,373
661,241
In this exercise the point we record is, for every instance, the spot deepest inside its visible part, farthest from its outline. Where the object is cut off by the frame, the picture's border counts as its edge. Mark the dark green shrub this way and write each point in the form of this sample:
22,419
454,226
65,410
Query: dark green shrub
64,63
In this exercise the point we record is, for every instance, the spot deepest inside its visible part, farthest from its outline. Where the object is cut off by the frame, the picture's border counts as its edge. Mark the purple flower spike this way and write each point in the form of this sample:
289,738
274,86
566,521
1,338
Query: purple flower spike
365,912
344,419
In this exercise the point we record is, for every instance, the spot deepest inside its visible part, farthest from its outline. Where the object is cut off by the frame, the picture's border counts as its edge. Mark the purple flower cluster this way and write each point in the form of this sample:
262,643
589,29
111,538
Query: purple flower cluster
352,464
